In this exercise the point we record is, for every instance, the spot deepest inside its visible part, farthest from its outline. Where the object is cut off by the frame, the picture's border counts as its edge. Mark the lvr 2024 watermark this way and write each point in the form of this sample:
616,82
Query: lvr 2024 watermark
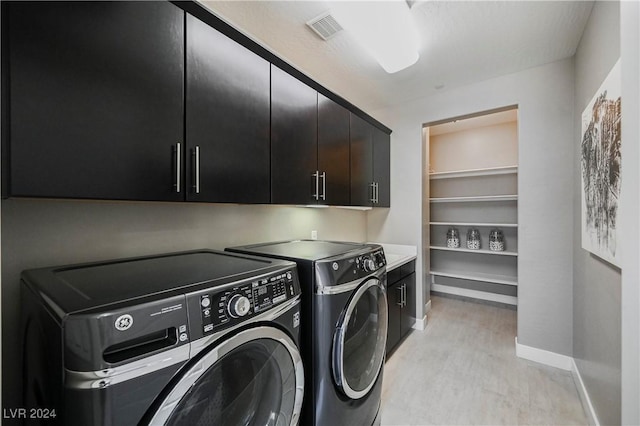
29,413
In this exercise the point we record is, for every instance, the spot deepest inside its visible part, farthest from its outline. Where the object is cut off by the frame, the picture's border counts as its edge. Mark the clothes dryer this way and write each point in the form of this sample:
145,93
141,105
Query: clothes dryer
344,314
194,338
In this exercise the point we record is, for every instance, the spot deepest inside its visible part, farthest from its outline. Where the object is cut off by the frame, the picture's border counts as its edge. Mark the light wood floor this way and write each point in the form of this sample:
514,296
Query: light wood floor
463,370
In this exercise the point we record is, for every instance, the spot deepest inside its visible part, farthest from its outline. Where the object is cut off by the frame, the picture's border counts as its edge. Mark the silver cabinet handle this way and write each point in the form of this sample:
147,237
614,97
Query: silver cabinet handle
405,294
377,193
399,303
316,194
373,192
324,185
196,167
178,162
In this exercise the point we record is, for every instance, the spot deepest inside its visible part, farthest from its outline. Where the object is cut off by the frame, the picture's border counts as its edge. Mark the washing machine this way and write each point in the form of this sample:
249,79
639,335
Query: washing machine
344,315
192,338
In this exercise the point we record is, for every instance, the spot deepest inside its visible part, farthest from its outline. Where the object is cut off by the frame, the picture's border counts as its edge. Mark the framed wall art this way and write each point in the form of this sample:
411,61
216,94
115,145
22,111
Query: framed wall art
600,161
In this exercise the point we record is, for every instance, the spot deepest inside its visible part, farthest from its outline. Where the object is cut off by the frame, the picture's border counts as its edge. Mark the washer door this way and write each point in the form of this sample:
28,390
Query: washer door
360,339
253,378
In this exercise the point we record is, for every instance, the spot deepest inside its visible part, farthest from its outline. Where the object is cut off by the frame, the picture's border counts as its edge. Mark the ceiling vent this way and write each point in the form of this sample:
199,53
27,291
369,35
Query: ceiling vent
325,26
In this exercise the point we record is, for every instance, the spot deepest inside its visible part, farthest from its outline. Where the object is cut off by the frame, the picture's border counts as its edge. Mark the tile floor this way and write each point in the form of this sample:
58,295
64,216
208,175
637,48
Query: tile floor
463,370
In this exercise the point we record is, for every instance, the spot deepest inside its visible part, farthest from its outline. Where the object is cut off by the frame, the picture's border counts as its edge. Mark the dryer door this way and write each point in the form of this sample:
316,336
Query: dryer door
360,339
253,378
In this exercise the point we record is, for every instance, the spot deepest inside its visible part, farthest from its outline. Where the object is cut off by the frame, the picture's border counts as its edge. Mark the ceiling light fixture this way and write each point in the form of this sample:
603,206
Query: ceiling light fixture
385,29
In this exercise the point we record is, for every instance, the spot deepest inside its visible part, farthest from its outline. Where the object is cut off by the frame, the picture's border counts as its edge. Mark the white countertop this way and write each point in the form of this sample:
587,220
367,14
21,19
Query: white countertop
398,255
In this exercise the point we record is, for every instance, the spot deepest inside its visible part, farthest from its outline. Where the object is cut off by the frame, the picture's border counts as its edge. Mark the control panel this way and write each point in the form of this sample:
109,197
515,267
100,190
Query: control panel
371,262
234,305
349,269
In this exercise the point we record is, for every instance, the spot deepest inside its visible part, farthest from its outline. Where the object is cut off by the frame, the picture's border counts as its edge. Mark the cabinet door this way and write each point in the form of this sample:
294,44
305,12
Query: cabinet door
361,162
96,105
407,317
333,152
294,143
394,299
227,118
381,173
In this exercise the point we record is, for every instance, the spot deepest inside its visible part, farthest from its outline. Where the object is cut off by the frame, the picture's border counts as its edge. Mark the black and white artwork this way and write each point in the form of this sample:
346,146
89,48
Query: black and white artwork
600,161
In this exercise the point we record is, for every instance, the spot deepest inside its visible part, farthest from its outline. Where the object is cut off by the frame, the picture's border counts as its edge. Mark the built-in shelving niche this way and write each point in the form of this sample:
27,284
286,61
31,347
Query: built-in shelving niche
473,183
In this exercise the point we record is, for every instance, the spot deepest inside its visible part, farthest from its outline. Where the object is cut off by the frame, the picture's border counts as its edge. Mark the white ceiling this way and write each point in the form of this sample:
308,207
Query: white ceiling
461,42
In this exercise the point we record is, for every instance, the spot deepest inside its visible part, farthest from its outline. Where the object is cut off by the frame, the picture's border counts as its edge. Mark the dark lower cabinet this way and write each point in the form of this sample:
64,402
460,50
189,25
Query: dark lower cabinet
294,140
227,119
95,105
401,300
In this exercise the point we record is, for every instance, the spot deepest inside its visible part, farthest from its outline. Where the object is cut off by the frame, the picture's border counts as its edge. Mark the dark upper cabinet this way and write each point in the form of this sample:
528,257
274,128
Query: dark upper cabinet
333,153
96,99
294,143
370,177
362,189
227,119
381,172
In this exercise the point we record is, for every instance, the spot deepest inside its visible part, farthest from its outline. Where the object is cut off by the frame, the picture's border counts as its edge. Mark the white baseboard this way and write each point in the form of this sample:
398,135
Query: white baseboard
421,324
584,395
565,363
541,356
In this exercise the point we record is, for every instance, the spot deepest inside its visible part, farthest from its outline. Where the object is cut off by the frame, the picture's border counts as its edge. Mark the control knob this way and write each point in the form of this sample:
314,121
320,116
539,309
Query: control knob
238,306
369,265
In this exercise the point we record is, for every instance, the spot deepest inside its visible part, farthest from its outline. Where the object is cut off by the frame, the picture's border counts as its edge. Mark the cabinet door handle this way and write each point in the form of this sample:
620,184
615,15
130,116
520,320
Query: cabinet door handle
178,162
399,303
196,168
373,192
404,294
316,176
324,186
377,193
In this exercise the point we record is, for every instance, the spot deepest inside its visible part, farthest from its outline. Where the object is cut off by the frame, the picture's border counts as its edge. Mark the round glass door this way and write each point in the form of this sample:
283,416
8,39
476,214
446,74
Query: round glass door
254,378
360,339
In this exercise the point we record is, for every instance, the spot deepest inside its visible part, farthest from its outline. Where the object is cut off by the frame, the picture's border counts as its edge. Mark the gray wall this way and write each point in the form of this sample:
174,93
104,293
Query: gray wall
596,291
630,206
38,233
544,96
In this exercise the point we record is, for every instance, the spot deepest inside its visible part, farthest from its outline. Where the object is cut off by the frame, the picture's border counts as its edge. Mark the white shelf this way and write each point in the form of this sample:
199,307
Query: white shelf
465,250
492,225
475,294
477,276
482,198
474,172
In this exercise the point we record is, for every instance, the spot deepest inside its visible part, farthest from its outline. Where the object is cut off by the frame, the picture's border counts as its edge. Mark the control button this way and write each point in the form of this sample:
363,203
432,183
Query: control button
369,265
183,337
239,306
205,302
182,328
206,313
289,276
208,328
335,266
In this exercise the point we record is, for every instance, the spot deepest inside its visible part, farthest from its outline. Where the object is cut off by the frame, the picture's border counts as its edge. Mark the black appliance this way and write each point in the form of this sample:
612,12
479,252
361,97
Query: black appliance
344,318
192,338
